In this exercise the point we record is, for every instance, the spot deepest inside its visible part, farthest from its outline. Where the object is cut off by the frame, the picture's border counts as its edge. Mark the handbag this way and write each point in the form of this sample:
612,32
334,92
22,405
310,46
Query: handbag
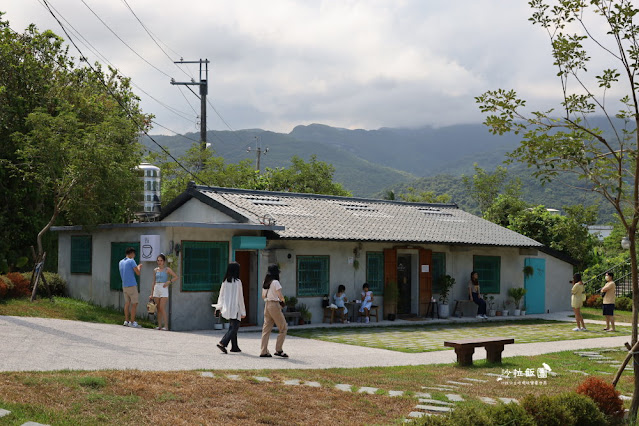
151,307
583,297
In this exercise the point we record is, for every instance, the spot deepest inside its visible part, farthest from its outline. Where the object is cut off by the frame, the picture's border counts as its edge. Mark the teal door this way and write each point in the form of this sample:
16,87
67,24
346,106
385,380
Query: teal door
535,284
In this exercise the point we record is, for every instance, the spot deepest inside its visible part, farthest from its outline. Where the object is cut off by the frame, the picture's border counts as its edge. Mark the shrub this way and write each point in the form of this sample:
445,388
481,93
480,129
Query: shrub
604,395
546,410
594,301
5,283
20,285
583,410
623,303
480,414
57,285
510,414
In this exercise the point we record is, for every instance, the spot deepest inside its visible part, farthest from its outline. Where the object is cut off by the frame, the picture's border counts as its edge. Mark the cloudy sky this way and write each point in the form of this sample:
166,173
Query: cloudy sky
279,63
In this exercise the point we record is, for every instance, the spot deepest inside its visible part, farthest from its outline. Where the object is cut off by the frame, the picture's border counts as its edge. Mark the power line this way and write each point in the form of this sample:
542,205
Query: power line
124,108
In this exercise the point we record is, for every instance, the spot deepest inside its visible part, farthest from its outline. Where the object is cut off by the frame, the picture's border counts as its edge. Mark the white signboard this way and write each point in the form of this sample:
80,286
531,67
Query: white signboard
425,268
149,248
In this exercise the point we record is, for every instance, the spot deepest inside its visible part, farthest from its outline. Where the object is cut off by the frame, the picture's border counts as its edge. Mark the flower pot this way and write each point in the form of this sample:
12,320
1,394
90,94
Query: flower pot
499,313
516,312
522,313
225,325
504,313
492,313
443,310
217,326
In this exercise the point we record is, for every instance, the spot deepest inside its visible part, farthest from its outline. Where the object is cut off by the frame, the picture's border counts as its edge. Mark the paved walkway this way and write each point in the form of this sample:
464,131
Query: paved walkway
40,344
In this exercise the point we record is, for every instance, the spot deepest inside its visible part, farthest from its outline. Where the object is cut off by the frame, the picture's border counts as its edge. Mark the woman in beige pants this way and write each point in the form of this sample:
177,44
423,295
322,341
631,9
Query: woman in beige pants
272,294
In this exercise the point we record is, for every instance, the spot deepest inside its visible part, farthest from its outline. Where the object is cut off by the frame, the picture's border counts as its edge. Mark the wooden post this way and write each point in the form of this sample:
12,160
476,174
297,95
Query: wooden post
35,278
625,362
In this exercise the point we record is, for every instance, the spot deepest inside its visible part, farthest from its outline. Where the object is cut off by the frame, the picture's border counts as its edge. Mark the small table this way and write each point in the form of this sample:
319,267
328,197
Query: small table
432,308
352,307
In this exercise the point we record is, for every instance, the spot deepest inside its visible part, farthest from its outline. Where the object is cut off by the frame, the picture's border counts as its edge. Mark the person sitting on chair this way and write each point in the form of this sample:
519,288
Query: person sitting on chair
340,300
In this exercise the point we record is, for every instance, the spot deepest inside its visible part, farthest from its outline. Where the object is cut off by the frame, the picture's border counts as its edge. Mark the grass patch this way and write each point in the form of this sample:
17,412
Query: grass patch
65,308
595,314
124,397
92,382
431,337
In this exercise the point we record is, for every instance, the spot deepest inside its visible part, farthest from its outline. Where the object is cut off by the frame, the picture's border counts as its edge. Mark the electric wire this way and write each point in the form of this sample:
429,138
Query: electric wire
124,108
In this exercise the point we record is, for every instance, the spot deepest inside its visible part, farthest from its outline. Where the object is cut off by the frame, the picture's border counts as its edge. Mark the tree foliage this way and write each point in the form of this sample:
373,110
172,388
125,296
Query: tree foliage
69,146
484,187
564,143
412,196
203,167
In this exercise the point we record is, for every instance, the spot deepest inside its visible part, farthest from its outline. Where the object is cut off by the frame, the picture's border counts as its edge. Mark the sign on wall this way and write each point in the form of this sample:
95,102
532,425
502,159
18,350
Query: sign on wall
149,247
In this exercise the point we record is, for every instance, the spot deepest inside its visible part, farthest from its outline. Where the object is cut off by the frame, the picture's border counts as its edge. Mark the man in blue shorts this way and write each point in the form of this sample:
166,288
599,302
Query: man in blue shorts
128,270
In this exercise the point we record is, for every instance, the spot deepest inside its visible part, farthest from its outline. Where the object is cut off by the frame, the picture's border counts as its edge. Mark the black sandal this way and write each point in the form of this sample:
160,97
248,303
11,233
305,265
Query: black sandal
281,353
266,356
222,348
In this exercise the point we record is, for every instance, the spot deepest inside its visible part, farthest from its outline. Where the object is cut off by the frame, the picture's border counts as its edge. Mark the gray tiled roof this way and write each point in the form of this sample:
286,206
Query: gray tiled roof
307,216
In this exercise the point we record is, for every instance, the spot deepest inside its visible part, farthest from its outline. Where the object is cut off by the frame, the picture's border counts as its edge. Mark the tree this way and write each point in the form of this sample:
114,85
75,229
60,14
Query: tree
313,177
412,196
564,143
74,145
484,187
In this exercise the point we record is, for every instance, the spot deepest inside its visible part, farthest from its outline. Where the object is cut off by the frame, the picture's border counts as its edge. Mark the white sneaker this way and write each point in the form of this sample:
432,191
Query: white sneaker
126,324
367,320
576,329
134,324
480,317
485,316
584,329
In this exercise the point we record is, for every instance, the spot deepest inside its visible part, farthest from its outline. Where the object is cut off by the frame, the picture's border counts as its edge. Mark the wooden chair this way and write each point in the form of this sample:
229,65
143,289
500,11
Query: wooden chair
329,313
372,313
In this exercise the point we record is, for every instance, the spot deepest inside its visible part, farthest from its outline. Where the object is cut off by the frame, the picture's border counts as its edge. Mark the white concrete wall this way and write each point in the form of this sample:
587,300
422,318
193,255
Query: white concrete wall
197,212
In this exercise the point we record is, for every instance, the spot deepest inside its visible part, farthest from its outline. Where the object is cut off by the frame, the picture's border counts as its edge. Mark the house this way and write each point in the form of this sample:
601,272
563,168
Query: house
319,242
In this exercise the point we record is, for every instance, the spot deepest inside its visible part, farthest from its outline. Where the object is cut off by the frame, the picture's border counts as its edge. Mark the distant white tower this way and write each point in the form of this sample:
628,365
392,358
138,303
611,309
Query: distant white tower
149,200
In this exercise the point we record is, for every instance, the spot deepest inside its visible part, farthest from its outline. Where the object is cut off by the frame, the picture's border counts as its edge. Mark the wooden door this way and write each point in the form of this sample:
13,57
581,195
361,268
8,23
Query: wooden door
244,259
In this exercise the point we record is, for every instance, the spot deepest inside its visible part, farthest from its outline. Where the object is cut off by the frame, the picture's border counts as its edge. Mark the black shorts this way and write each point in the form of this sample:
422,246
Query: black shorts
608,308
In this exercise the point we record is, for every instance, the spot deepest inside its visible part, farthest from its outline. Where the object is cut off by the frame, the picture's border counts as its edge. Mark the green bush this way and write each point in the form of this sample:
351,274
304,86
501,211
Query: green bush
479,414
623,303
57,285
583,410
546,410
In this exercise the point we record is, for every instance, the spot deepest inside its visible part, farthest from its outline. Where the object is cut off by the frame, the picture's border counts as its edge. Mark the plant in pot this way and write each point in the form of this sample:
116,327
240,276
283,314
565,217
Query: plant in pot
217,318
505,310
290,303
391,295
517,293
446,282
490,304
305,315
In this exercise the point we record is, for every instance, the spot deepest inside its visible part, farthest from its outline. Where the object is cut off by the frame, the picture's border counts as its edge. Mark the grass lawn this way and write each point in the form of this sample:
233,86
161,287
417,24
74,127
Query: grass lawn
426,338
65,308
133,397
595,314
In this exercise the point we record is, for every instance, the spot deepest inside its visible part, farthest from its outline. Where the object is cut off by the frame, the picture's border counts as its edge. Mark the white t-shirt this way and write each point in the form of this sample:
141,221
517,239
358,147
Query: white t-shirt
271,293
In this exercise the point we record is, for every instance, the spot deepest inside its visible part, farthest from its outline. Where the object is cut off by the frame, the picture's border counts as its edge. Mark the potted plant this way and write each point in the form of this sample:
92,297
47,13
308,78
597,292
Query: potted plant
528,271
305,315
517,293
290,303
504,311
490,304
446,282
217,318
391,294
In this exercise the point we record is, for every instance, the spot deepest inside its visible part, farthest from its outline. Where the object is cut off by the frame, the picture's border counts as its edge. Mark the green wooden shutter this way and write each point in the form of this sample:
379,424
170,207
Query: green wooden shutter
375,271
489,270
203,265
312,275
117,254
81,254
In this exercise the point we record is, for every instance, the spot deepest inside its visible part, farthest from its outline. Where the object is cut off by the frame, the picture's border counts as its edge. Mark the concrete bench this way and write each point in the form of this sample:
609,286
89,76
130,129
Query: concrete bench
293,317
465,348
467,308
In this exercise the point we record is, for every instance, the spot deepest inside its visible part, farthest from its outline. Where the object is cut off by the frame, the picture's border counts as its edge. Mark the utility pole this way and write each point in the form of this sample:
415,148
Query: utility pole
203,92
258,152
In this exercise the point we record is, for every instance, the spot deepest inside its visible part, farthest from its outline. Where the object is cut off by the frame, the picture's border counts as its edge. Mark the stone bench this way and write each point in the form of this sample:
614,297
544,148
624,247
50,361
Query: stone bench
467,308
465,348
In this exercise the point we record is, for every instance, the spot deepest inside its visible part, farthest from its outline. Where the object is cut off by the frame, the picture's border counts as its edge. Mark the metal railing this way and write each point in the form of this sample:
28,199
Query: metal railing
622,277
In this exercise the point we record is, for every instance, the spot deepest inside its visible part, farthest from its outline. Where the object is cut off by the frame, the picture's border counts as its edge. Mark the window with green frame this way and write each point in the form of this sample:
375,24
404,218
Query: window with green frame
438,270
81,254
375,271
312,275
203,265
117,254
489,270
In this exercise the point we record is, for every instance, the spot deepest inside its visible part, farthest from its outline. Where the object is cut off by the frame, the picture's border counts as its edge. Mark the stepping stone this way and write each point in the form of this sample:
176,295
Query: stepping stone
33,424
454,397
4,412
422,394
493,375
233,376
437,388
395,393
207,374
604,372
368,390
313,384
475,380
434,408
417,414
458,383
552,373
434,401
625,398
292,382
344,387
488,400
262,379
579,372
508,400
